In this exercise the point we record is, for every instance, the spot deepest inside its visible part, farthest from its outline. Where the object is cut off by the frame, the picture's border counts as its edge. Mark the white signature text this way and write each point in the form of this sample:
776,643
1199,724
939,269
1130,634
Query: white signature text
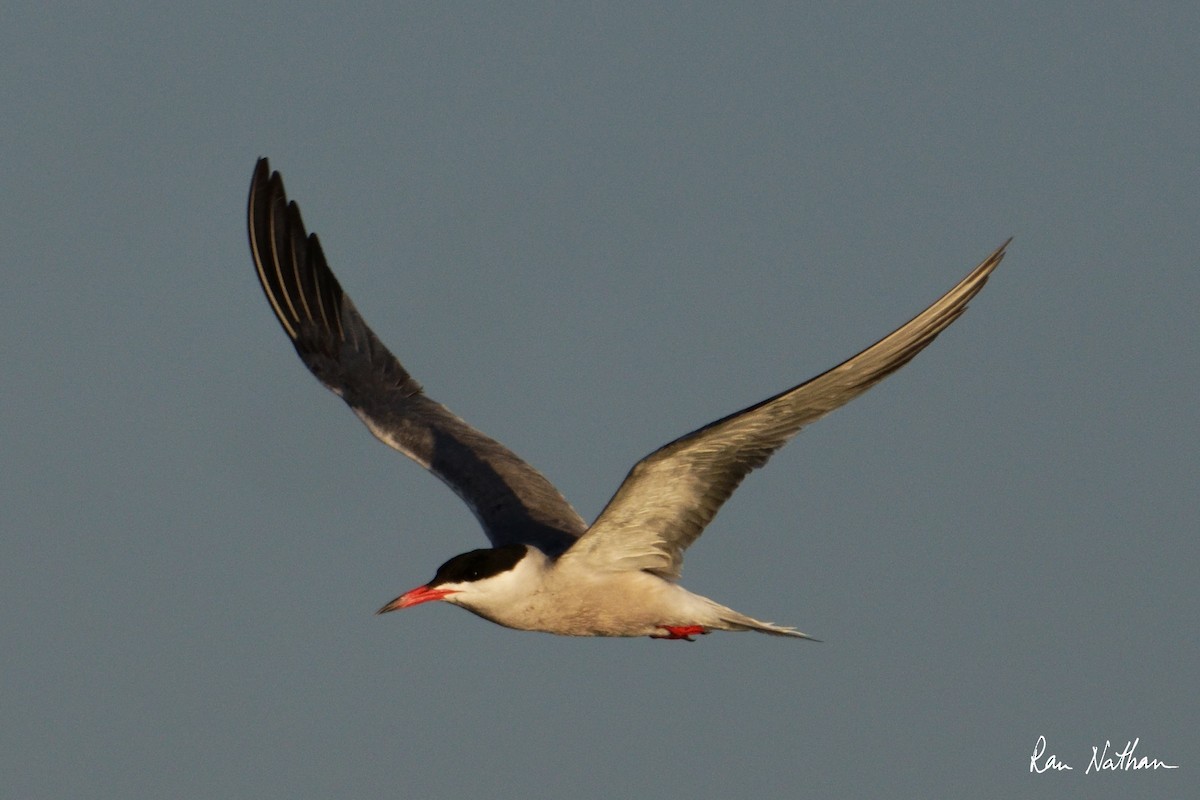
1105,759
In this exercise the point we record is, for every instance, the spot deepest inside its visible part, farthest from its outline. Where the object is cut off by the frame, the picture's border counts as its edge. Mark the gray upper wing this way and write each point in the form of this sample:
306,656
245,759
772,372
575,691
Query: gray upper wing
669,497
512,501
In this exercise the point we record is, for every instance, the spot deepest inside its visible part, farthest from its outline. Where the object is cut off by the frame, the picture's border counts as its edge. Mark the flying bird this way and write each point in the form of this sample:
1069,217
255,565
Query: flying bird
548,570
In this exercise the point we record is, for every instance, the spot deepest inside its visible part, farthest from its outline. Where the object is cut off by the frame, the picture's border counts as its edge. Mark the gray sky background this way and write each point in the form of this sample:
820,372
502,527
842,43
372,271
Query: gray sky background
588,231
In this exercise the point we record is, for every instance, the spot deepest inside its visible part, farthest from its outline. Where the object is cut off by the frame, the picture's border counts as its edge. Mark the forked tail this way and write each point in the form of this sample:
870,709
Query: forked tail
740,622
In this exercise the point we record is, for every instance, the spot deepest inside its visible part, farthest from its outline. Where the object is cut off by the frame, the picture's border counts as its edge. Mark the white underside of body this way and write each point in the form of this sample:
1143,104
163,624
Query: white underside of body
565,599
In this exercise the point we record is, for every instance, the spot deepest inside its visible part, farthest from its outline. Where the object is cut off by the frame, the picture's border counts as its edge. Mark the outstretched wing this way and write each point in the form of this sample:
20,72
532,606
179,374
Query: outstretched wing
669,496
512,501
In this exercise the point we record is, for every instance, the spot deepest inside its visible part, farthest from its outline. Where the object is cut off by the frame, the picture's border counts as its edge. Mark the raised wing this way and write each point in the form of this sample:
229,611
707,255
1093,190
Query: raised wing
512,501
669,496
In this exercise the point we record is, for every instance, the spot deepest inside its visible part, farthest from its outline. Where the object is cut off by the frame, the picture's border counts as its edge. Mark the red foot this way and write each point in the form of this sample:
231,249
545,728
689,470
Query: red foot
685,632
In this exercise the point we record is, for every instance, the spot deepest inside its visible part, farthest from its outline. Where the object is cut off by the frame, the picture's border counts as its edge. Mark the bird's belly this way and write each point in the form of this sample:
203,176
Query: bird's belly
626,607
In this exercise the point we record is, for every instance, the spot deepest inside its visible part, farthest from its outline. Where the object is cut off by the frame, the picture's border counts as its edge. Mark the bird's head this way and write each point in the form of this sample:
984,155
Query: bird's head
478,580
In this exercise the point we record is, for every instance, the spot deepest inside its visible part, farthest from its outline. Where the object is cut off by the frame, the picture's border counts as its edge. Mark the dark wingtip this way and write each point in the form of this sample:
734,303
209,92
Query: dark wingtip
998,253
262,170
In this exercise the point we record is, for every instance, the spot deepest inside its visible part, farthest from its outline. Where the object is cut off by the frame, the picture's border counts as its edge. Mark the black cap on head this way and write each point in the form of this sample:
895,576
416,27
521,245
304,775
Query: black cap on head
478,564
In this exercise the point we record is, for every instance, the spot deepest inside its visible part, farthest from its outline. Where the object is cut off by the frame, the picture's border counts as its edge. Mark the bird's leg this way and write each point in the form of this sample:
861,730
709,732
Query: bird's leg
685,632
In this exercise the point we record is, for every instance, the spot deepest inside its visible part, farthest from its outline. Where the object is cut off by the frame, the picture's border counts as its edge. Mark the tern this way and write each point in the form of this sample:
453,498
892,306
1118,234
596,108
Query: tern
547,570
